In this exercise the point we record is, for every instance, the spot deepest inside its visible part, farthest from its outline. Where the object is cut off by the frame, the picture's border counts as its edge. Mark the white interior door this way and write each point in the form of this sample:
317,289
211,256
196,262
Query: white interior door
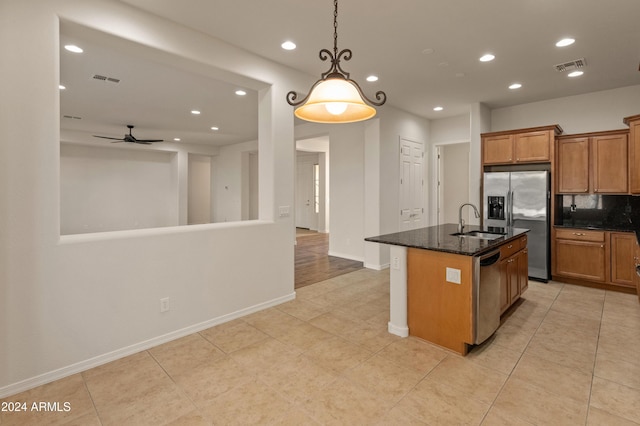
411,185
304,195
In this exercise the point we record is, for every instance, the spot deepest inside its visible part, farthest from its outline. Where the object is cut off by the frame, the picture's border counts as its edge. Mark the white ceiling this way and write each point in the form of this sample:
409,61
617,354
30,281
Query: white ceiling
388,39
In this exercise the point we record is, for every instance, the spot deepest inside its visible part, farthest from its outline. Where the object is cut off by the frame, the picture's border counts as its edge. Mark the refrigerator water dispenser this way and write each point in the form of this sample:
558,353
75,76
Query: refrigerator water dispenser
496,207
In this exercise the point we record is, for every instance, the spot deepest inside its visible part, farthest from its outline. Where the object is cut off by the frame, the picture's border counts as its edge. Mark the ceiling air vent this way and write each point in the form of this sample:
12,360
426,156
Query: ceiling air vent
105,78
72,117
571,65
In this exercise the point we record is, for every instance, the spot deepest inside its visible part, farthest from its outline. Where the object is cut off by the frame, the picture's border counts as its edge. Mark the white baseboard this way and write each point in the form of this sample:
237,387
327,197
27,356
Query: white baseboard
81,366
377,267
398,331
346,256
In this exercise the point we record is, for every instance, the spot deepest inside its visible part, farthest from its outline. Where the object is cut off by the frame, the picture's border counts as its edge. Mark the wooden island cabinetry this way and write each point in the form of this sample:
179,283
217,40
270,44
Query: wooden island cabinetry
533,145
584,163
514,271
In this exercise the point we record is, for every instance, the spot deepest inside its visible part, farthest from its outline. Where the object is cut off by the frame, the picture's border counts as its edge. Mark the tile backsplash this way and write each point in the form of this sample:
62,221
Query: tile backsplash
599,211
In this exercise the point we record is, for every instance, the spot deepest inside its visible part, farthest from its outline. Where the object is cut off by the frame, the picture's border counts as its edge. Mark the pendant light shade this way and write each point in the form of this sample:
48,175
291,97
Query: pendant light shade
335,98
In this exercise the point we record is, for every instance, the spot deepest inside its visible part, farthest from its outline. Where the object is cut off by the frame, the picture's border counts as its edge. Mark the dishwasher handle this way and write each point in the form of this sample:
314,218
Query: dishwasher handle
490,259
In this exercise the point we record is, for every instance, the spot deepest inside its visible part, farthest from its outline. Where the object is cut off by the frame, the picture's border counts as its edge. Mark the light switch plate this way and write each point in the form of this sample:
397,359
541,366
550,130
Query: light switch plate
453,275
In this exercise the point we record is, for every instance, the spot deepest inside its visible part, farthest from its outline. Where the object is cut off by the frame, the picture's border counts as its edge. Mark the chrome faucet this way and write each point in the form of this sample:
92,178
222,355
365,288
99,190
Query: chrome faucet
460,220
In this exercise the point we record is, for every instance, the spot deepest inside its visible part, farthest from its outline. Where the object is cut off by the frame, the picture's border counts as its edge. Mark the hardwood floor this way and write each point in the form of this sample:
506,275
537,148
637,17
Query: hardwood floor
312,261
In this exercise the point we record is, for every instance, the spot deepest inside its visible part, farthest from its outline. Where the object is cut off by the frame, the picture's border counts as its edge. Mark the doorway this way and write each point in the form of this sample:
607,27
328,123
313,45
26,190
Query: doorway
452,182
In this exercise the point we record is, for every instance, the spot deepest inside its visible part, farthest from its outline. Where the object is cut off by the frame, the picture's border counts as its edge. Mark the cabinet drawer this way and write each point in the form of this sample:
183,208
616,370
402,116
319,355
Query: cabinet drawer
580,235
509,248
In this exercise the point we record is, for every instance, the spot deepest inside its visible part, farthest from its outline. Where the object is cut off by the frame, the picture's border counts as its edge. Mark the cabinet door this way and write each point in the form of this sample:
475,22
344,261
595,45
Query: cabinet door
580,259
532,147
634,156
505,299
573,165
622,262
523,274
513,269
609,157
497,149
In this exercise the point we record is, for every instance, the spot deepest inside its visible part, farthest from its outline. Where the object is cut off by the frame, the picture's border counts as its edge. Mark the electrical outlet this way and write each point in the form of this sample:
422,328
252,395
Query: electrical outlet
396,262
453,275
164,304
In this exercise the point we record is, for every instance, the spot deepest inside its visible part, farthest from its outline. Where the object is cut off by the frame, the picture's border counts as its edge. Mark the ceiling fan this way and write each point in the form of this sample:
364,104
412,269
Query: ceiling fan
130,138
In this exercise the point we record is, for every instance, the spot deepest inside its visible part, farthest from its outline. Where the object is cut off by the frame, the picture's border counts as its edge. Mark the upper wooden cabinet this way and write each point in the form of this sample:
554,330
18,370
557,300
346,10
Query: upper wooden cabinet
593,163
572,159
634,153
533,145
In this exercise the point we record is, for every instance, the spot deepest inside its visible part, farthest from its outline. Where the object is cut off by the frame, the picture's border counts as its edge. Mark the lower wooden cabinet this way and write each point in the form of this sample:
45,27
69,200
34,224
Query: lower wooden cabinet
622,263
595,256
514,272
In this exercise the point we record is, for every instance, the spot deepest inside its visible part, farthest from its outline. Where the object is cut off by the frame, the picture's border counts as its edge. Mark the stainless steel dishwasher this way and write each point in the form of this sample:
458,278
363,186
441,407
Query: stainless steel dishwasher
486,296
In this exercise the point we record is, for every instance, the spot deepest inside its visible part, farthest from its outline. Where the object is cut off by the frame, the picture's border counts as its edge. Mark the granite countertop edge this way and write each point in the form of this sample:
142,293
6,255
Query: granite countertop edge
439,238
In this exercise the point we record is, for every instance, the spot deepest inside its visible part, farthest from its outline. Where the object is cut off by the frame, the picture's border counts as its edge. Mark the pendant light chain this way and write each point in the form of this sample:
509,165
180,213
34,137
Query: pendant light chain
335,28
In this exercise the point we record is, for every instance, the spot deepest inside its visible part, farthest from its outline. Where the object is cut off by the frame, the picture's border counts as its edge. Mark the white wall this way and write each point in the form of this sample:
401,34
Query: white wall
590,112
70,303
450,130
105,189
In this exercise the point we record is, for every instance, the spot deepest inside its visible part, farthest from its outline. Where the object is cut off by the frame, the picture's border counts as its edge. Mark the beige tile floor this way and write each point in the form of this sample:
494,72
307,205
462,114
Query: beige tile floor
567,355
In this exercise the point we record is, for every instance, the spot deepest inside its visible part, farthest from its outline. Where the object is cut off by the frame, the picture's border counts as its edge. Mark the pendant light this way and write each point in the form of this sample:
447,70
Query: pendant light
335,98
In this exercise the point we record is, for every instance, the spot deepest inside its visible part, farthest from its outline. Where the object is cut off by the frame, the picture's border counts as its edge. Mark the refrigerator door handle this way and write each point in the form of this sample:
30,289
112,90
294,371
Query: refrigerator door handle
508,208
511,210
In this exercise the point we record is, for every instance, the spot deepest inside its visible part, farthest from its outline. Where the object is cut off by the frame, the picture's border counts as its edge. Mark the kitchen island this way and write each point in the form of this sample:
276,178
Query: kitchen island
450,288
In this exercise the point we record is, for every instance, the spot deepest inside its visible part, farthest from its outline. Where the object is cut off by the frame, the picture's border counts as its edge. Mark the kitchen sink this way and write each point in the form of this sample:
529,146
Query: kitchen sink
479,235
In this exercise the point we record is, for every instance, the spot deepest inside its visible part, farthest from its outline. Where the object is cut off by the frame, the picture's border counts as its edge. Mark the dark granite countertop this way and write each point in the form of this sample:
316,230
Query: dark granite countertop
439,238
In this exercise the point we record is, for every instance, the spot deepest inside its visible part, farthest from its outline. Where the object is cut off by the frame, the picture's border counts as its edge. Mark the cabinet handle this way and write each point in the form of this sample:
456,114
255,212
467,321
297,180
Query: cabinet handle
510,245
579,234
586,190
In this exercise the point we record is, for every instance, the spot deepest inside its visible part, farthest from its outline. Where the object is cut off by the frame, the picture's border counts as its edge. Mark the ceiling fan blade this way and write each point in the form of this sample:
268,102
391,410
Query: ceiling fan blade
106,137
118,141
143,142
150,140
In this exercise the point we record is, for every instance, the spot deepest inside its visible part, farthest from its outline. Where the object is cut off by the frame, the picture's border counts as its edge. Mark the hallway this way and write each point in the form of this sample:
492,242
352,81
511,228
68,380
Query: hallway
312,262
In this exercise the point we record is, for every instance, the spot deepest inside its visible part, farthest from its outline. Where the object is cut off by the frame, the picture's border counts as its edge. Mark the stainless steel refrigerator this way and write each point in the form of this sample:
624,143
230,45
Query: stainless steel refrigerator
522,200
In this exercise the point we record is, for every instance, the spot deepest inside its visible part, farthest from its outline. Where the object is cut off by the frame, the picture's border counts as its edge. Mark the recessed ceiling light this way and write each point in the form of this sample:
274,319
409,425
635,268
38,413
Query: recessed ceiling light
73,48
195,112
240,92
215,128
486,58
438,108
288,45
61,87
372,78
428,51
575,74
565,42
515,86
176,139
